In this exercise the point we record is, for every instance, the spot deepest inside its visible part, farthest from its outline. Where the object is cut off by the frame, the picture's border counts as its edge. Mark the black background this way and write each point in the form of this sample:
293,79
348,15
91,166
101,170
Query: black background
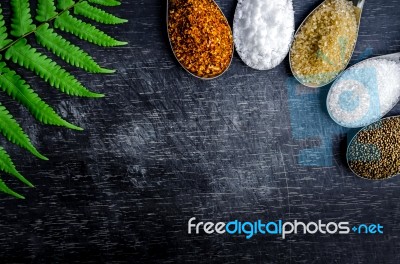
163,147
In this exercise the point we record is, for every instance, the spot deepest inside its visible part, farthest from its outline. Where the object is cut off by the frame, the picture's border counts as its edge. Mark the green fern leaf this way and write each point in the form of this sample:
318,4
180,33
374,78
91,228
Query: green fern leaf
14,133
28,57
85,31
65,4
67,51
105,2
8,166
18,89
4,188
20,52
4,41
46,10
96,14
21,20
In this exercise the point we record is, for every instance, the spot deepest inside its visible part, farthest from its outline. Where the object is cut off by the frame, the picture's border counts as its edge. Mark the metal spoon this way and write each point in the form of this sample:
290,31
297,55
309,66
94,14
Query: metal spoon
368,160
366,89
183,66
359,4
392,57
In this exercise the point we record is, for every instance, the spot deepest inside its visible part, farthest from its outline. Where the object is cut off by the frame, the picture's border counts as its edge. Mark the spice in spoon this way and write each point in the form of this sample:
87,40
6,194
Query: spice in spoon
374,153
324,44
364,93
200,36
263,31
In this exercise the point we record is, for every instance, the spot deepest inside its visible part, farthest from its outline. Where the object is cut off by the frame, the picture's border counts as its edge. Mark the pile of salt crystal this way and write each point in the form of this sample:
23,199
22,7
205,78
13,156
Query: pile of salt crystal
364,93
263,31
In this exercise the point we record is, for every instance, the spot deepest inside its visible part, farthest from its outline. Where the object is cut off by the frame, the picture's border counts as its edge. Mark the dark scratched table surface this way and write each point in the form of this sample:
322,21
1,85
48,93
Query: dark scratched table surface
163,147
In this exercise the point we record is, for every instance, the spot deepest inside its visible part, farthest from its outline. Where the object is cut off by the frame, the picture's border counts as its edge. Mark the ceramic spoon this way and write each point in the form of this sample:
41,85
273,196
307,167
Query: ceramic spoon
212,2
365,87
359,4
372,152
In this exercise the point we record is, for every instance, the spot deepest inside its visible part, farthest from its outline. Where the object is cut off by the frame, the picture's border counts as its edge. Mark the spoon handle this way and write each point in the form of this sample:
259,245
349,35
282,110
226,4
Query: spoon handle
358,3
393,57
396,57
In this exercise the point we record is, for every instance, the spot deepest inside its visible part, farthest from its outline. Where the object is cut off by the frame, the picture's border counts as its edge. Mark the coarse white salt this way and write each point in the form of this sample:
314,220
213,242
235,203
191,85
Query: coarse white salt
263,31
364,93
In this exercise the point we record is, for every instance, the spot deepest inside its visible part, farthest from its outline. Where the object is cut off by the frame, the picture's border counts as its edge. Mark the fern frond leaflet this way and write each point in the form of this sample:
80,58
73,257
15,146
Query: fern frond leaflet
65,4
8,166
97,14
26,56
105,2
85,31
21,19
18,89
4,188
46,10
67,51
14,133
4,41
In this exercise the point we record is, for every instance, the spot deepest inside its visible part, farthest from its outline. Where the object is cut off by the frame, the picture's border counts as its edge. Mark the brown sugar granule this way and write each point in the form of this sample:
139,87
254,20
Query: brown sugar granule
324,44
200,36
375,151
